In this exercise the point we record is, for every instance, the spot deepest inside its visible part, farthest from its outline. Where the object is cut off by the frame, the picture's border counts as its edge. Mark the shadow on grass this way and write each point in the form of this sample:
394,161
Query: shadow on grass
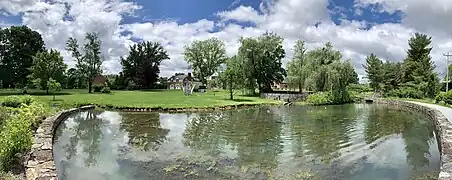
12,93
241,100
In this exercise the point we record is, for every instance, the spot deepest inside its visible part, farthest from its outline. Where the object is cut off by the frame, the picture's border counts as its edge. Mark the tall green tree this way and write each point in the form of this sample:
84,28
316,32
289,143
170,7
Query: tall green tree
48,65
233,75
418,66
373,68
88,60
391,76
205,57
263,60
18,45
296,69
352,76
142,63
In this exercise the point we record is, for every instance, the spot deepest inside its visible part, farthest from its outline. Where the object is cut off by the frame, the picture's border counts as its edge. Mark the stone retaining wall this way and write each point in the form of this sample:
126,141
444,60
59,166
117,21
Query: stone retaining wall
443,132
40,164
284,96
180,110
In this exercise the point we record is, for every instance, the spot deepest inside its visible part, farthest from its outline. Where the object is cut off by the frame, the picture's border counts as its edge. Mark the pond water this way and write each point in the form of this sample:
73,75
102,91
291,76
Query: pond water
349,142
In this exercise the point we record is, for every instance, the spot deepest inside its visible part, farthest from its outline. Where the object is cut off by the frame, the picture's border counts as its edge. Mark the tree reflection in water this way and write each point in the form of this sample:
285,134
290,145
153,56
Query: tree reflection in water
254,133
144,130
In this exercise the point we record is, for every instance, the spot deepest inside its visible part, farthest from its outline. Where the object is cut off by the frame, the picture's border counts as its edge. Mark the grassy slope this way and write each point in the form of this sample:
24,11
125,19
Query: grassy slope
151,98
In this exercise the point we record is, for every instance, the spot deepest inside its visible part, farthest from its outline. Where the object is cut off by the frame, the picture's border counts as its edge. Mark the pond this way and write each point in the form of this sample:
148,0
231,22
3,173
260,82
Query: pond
349,142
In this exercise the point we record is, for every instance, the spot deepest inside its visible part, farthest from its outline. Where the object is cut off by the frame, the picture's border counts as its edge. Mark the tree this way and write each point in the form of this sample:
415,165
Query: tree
418,67
263,61
53,86
89,63
296,69
205,57
352,76
142,63
18,44
373,68
233,75
48,65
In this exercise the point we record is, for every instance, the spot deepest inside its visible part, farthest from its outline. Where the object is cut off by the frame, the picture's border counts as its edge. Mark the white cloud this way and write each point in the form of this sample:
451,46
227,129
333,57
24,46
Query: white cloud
292,19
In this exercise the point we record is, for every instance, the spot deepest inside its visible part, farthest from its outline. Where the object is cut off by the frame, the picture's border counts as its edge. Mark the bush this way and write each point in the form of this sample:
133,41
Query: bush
106,90
359,88
98,87
406,92
16,135
12,101
320,98
446,97
27,100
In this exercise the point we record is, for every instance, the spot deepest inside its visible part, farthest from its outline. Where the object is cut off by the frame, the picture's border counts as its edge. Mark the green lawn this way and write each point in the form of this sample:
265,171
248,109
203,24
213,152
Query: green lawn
145,98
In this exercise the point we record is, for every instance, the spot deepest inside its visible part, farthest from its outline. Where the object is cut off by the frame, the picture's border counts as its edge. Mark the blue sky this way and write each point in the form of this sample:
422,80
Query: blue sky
190,11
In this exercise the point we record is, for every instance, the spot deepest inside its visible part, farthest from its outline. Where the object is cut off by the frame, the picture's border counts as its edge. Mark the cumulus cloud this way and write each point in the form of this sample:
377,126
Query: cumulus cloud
307,20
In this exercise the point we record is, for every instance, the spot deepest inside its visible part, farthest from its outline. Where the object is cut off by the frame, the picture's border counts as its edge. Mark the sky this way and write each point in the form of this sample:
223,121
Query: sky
355,27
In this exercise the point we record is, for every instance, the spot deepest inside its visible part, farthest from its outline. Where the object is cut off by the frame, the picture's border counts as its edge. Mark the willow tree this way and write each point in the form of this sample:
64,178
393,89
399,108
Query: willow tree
296,69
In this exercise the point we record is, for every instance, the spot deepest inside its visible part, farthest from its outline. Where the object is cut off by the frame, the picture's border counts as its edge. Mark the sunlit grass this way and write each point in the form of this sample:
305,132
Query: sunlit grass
144,99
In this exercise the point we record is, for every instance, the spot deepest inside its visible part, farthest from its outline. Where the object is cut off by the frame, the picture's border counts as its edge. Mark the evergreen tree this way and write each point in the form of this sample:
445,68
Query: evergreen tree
419,67
373,68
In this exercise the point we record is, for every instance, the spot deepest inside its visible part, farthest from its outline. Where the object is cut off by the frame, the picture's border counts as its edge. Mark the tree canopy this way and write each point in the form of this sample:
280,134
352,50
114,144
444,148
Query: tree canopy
18,45
88,59
48,65
205,57
142,64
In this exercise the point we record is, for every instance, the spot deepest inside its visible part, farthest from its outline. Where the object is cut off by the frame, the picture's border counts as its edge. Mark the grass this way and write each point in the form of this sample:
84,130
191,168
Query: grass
143,99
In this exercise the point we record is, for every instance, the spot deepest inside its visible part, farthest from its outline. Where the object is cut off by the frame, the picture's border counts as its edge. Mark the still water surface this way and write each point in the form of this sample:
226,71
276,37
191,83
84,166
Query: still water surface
346,142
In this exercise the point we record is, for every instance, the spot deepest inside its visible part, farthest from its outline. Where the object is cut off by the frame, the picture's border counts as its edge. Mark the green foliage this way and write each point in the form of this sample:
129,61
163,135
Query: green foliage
53,86
47,65
320,98
408,91
106,90
18,44
16,134
233,75
297,69
205,57
374,70
27,100
89,62
98,87
359,88
142,63
262,61
445,97
12,101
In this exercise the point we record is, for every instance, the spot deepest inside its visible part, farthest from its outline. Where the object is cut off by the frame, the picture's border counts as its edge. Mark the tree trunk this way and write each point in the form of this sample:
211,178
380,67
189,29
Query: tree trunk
47,91
90,84
231,96
300,88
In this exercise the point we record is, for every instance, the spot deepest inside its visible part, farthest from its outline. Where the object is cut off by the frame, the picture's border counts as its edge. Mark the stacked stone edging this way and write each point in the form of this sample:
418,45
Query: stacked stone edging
40,164
443,132
190,109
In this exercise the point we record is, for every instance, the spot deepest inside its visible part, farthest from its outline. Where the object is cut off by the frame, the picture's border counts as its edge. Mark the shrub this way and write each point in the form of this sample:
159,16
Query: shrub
15,137
27,100
446,97
360,88
320,98
106,90
12,101
98,87
407,92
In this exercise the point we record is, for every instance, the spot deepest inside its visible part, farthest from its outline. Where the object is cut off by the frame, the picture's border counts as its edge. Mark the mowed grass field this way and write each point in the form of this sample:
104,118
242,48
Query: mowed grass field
140,98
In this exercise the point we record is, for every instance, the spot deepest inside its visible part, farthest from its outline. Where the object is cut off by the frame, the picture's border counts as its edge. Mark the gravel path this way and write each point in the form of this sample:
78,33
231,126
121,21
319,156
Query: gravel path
447,112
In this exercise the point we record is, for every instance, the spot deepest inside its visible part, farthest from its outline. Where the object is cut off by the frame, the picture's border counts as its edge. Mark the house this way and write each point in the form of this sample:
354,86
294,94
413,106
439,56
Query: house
99,79
284,85
176,81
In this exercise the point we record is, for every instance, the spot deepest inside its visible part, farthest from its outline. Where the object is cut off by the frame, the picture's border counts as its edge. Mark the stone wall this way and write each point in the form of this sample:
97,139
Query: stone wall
443,132
285,96
40,164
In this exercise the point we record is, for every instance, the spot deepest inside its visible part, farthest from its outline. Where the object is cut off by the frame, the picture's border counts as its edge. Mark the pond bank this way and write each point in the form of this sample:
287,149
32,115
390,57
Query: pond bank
442,118
40,164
